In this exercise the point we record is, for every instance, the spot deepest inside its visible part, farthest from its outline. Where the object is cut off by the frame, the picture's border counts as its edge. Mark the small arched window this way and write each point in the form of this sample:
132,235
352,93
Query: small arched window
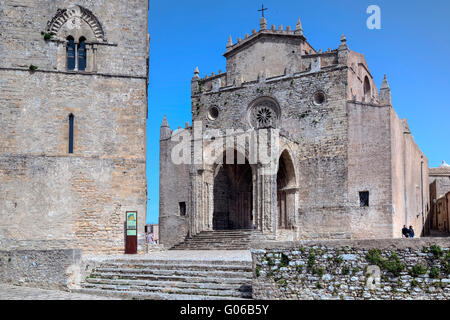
70,53
82,54
366,86
71,124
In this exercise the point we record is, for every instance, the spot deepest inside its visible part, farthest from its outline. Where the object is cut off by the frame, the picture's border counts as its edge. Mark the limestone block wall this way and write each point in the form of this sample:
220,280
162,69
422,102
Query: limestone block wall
124,25
46,193
405,269
174,188
409,178
47,269
272,56
369,155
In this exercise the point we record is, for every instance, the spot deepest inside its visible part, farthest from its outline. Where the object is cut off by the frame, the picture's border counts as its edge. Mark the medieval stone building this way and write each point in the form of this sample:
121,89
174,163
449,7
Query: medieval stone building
439,217
346,165
73,109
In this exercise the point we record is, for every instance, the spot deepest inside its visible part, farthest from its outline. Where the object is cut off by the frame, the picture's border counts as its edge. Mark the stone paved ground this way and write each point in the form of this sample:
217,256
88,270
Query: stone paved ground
8,292
197,255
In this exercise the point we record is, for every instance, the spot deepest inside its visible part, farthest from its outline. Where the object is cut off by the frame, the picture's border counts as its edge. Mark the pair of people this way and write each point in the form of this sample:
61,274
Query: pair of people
408,233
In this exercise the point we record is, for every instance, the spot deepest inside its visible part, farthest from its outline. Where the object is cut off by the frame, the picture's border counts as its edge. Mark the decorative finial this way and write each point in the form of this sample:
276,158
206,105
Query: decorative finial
384,95
384,84
343,45
263,24
298,27
196,73
164,122
230,42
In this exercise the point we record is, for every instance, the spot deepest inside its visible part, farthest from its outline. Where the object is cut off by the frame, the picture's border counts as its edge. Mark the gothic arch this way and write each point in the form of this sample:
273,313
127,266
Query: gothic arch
75,11
287,166
232,195
286,191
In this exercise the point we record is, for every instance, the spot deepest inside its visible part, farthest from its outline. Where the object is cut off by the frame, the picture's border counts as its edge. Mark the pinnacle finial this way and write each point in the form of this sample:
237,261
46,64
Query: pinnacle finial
164,122
384,84
343,45
230,42
298,27
196,73
263,23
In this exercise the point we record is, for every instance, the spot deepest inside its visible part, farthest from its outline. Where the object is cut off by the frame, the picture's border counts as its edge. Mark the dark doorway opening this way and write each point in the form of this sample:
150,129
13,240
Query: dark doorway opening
233,202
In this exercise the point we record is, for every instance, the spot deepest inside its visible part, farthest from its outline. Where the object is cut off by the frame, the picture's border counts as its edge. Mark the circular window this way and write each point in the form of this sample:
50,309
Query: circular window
213,113
319,98
263,113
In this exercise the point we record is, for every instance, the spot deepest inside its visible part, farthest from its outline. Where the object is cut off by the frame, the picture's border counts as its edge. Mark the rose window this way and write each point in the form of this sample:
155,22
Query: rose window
264,116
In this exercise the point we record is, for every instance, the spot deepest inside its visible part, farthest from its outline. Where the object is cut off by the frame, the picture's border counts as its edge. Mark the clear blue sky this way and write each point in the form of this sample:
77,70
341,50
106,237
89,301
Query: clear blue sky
412,48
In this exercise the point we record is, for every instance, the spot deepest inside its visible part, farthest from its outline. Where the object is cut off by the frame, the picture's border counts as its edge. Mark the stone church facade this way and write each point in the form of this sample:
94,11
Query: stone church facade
347,166
73,110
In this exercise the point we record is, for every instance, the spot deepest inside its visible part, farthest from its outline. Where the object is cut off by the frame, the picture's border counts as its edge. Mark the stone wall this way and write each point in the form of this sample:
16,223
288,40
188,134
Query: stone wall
46,193
403,269
47,269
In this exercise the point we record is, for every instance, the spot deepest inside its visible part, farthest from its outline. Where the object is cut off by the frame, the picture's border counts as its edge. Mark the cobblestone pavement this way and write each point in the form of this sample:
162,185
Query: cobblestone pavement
8,292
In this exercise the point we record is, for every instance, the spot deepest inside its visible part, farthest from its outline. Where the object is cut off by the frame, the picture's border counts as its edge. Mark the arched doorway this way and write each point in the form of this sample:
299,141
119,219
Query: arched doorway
232,195
286,188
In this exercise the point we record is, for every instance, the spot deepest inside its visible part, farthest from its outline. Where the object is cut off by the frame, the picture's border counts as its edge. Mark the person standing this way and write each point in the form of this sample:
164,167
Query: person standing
411,232
150,238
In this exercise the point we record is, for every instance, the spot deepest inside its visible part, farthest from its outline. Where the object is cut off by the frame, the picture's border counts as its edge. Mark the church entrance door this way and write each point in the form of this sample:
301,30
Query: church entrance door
232,194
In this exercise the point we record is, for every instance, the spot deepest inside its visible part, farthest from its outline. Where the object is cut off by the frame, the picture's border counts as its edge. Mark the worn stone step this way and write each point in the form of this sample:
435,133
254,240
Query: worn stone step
181,263
130,295
238,279
193,267
175,290
207,247
241,286
203,273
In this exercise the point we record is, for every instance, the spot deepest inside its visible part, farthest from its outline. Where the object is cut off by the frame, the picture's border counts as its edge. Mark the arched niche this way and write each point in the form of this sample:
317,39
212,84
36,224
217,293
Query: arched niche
78,22
286,191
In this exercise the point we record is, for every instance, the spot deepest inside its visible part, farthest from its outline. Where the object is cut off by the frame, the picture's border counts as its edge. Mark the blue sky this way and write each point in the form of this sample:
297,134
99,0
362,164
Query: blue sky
412,48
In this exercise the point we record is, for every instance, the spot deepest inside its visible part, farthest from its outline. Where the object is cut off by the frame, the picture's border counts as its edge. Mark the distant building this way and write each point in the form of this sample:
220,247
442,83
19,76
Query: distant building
439,217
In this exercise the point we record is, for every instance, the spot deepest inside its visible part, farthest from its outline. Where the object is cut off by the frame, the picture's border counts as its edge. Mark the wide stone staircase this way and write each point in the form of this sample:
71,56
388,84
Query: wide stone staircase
169,279
220,240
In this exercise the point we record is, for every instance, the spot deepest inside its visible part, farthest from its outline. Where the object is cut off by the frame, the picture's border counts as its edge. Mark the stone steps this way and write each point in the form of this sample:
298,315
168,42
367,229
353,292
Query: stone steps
169,279
192,267
163,272
237,286
150,295
219,240
231,283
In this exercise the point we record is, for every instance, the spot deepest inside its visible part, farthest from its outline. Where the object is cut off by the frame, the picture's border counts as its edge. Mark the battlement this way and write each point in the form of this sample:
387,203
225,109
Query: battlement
311,63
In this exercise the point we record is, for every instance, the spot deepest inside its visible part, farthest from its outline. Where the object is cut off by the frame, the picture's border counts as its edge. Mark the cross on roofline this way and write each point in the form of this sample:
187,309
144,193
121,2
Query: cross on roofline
263,9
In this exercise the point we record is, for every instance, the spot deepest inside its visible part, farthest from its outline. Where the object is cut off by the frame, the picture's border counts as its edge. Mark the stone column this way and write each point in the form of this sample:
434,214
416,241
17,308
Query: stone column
94,58
266,200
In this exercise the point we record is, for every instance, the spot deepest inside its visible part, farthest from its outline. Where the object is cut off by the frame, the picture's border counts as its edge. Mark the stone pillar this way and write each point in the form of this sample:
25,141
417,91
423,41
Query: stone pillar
266,200
94,58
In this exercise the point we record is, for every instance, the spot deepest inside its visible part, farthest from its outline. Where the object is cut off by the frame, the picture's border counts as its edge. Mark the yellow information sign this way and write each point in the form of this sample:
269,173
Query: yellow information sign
131,223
